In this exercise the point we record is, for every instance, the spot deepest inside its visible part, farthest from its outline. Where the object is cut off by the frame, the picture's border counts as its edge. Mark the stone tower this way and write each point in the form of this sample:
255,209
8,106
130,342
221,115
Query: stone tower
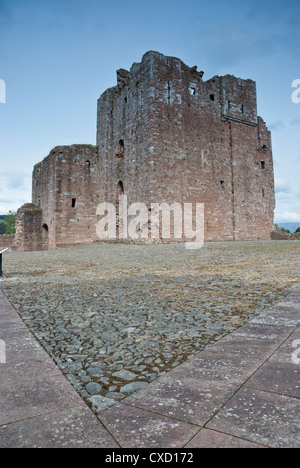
164,135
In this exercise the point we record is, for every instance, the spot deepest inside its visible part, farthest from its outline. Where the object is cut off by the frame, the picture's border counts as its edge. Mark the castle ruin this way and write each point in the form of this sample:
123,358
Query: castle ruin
163,135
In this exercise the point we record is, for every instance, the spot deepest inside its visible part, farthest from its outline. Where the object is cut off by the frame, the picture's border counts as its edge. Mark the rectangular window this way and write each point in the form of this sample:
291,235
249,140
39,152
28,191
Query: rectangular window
73,202
263,164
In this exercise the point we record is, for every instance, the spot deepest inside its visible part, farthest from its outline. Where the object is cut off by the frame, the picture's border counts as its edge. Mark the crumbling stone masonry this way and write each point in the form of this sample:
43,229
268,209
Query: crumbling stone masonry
29,233
6,241
164,135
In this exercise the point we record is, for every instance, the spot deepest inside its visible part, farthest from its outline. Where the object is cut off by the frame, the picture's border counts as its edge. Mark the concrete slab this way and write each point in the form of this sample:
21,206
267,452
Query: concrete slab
261,417
137,428
36,397
23,369
243,391
189,400
20,343
38,406
70,428
280,374
212,439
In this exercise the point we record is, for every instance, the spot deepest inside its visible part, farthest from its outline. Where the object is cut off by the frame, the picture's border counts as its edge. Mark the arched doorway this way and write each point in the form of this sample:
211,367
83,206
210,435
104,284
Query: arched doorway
45,233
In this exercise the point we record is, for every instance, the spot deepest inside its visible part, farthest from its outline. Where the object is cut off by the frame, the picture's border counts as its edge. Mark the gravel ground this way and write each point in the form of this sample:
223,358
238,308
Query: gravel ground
115,317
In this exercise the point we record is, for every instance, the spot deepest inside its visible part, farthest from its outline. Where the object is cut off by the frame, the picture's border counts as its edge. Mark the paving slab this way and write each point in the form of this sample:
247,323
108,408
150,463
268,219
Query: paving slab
261,417
212,439
137,428
70,428
241,392
38,406
31,398
194,391
280,374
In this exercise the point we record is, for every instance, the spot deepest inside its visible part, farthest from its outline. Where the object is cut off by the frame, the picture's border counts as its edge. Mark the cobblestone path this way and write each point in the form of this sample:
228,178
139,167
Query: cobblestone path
115,317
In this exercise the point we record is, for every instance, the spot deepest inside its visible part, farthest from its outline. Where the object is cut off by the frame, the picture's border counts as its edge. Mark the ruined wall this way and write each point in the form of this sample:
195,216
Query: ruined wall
66,185
280,235
29,235
124,136
167,135
163,135
6,241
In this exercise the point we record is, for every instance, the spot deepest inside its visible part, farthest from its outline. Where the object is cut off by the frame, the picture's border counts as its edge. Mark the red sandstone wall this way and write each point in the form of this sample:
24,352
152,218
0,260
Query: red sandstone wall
186,140
168,136
6,241
279,235
29,235
68,173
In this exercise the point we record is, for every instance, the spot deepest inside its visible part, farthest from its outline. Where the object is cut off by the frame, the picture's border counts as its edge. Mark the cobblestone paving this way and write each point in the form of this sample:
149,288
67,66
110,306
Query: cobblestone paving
115,317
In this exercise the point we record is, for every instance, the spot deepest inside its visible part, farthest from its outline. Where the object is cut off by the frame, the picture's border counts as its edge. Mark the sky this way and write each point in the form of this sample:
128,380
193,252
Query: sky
58,56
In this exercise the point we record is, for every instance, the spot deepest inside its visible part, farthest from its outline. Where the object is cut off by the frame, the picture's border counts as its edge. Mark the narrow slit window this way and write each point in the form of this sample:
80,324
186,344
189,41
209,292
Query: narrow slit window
263,193
120,149
222,183
120,188
212,97
263,164
243,109
73,202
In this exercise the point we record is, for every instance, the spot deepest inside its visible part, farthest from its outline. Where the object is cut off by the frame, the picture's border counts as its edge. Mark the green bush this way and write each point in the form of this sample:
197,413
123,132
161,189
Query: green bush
2,228
10,223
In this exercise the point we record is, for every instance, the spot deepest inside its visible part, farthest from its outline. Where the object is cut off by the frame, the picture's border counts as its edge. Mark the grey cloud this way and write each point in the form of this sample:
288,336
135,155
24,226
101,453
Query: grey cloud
17,180
283,187
296,121
276,126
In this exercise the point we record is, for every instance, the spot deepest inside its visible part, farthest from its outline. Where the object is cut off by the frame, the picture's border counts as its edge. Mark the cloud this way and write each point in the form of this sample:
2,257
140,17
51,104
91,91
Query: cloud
281,19
15,180
281,186
276,126
296,121
226,44
15,190
286,216
287,202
